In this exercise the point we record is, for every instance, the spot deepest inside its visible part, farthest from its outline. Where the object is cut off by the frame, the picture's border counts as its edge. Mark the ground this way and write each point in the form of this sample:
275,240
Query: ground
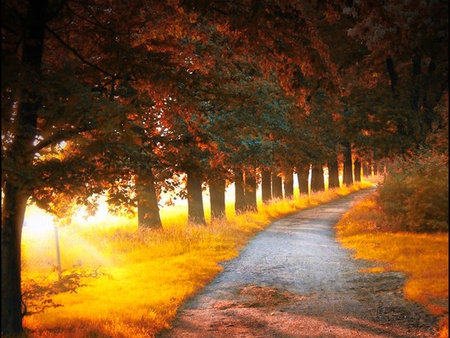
295,280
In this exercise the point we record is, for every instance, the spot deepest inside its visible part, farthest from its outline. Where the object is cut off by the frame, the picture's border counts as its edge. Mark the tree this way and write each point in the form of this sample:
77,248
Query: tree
239,202
70,98
357,169
148,210
303,179
289,184
277,185
266,185
317,179
217,198
348,164
333,173
196,213
15,192
406,74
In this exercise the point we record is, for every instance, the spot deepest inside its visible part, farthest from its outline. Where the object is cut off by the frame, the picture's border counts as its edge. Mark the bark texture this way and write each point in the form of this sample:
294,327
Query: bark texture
348,164
196,213
277,186
317,179
302,177
148,209
217,198
239,203
17,185
266,185
289,184
250,191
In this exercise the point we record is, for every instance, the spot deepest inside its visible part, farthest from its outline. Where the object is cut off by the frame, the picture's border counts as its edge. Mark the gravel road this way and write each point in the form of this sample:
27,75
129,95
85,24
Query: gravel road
295,280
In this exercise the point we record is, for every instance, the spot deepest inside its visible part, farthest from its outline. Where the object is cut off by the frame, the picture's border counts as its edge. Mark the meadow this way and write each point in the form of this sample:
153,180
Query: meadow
121,281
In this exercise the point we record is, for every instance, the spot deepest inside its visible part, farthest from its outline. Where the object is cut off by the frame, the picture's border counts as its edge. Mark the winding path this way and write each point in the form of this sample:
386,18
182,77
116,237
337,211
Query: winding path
295,280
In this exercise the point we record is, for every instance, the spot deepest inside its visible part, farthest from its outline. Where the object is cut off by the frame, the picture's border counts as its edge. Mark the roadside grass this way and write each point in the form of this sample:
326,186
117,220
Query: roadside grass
139,278
422,257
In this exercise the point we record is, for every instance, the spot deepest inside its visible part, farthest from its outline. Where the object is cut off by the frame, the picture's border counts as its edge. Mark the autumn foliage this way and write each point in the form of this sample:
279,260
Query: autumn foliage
135,99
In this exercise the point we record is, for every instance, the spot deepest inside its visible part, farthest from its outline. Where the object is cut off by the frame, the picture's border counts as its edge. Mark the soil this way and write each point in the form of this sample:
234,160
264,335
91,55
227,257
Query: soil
295,280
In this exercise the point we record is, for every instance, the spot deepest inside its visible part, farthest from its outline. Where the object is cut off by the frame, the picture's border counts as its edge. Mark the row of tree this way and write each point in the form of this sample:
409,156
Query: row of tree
128,97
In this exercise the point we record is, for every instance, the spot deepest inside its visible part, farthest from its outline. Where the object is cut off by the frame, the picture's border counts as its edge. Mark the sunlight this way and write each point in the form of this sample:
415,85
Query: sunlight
153,272
81,217
41,241
37,223
38,240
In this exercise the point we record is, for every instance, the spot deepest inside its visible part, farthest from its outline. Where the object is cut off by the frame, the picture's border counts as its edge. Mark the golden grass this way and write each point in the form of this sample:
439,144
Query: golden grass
149,274
422,257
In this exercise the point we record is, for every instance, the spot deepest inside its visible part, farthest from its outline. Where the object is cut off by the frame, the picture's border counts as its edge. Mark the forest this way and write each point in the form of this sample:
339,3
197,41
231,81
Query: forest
134,99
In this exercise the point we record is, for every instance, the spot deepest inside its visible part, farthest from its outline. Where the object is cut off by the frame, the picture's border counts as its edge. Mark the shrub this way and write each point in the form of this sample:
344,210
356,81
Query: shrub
414,193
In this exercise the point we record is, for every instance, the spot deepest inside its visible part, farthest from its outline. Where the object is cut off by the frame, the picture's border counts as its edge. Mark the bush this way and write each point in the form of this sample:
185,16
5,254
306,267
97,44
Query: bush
414,193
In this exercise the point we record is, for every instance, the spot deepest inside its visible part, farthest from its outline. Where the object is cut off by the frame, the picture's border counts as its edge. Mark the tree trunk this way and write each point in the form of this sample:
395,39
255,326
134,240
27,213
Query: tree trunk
348,170
217,199
250,191
239,204
266,185
13,214
15,191
375,163
196,213
277,185
148,209
333,174
302,178
366,168
289,184
317,179
357,170
393,76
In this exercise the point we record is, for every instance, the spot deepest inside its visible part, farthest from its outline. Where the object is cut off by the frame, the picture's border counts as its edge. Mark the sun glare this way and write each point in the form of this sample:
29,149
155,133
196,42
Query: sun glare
102,215
37,222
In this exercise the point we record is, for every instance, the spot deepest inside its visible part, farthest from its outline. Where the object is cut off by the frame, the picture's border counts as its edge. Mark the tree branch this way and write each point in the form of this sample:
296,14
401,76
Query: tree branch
58,137
78,55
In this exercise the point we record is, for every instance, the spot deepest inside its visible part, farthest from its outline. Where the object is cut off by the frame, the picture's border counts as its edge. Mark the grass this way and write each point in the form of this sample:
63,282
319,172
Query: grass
140,278
422,257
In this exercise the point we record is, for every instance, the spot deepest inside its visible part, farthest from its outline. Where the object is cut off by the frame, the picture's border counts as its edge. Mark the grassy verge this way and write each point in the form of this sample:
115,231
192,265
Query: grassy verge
138,279
422,257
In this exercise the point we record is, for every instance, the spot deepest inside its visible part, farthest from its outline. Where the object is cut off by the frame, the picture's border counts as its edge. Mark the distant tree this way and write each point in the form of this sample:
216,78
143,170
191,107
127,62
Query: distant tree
348,164
266,185
357,169
239,191
333,173
317,179
196,213
277,185
250,189
217,198
289,183
303,177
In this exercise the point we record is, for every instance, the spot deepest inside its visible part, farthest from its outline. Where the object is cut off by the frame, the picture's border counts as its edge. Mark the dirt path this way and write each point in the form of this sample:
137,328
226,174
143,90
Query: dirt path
295,280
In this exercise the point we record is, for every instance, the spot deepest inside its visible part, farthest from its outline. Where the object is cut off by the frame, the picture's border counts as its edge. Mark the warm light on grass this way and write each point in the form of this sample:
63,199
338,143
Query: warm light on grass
422,257
144,276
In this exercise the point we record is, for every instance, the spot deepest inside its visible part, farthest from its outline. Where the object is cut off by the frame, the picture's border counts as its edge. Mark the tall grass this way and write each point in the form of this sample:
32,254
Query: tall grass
138,278
422,257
